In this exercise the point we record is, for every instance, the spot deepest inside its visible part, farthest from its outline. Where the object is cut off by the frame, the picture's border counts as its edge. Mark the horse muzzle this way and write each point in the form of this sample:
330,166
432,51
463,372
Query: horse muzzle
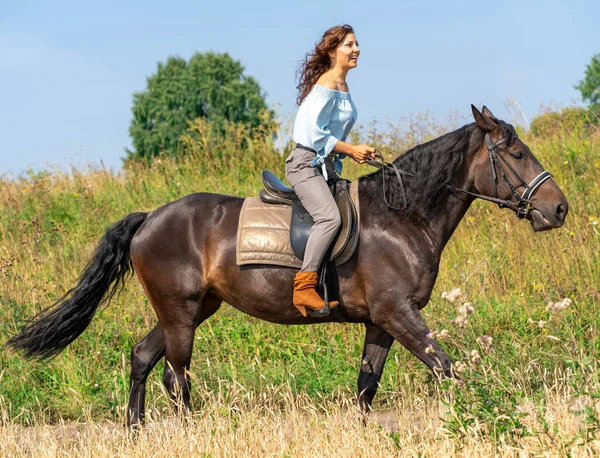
542,220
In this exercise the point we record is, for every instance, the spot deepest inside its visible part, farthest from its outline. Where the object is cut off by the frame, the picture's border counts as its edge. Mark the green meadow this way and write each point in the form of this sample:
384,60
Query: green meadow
516,347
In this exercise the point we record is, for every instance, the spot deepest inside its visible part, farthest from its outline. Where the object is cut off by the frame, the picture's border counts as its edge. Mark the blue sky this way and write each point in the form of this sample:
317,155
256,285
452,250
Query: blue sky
68,68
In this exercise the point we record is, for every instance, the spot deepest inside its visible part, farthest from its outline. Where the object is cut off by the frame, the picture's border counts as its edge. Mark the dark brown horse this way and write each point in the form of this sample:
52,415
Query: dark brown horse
184,256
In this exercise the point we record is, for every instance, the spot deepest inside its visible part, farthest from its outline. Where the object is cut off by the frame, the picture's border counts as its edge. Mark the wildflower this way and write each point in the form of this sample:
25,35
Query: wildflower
452,295
541,323
460,321
432,334
475,357
565,163
566,302
459,367
485,341
558,306
429,350
443,334
466,309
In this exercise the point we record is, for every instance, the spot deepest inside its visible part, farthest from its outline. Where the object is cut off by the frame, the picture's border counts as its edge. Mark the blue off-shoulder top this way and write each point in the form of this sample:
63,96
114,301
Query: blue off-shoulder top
324,117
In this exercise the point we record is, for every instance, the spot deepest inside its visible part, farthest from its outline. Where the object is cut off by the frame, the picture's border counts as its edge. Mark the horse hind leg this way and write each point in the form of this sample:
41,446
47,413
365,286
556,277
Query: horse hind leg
144,356
179,340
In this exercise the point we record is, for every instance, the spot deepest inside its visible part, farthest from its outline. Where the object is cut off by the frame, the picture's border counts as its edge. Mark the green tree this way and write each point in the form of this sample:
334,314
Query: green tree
590,85
210,86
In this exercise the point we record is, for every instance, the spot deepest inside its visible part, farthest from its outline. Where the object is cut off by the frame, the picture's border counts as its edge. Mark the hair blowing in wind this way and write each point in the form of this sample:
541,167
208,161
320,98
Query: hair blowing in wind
317,61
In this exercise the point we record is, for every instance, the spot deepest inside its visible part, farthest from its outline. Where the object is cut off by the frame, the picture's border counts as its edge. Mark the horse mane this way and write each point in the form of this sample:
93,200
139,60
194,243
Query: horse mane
434,164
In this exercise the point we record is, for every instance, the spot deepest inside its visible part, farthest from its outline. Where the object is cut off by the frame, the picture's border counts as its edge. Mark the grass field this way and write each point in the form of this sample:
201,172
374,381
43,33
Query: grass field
531,376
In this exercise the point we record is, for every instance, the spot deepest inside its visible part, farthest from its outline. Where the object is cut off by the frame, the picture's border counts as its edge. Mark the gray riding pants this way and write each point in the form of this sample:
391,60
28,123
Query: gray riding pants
315,196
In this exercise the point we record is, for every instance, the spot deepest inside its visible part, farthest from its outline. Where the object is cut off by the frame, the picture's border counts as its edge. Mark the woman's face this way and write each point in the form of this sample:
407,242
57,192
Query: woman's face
346,54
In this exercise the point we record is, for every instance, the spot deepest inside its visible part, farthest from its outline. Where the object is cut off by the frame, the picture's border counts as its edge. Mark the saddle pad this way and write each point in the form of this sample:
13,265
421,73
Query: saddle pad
263,234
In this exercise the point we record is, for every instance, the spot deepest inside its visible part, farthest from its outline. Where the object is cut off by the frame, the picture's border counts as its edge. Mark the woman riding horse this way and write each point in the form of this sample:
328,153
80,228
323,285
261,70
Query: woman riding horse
185,258
326,116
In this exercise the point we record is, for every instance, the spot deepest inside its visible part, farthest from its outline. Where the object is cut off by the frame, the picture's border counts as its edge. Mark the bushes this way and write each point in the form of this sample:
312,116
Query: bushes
569,118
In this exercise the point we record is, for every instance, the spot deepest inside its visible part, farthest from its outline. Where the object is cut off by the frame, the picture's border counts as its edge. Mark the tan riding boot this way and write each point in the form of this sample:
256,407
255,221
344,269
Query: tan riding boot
305,295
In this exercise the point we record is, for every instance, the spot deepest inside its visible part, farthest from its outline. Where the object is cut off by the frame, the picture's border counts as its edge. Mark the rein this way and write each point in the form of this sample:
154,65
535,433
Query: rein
522,207
390,165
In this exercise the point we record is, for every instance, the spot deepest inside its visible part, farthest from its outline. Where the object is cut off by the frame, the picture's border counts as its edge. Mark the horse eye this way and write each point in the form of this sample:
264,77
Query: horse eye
517,154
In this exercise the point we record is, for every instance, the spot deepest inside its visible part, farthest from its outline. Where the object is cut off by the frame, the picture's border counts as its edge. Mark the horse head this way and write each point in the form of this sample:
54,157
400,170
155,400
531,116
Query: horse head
504,168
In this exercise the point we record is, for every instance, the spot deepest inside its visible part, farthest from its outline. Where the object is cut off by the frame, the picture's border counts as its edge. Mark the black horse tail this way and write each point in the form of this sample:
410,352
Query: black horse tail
60,324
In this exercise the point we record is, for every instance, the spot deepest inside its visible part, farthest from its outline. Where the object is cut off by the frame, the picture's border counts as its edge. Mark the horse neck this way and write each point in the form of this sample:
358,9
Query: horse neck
437,224
443,222
440,222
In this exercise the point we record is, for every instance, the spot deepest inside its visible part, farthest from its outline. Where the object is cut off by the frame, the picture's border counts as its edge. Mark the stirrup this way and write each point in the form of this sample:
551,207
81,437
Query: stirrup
325,311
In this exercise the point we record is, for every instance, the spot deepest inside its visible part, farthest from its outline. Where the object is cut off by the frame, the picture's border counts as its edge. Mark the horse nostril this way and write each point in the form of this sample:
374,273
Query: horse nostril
560,210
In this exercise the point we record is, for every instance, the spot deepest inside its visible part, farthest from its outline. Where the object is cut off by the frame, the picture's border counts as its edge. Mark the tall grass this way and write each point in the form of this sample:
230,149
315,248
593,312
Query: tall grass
534,385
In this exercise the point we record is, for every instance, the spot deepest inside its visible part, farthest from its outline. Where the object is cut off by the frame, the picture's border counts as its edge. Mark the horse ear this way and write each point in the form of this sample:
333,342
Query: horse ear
486,111
482,121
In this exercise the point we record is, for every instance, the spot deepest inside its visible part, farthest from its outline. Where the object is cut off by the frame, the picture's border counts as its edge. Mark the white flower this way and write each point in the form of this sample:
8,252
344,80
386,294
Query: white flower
451,296
475,357
460,321
558,306
443,334
566,302
459,367
466,309
429,350
541,323
432,334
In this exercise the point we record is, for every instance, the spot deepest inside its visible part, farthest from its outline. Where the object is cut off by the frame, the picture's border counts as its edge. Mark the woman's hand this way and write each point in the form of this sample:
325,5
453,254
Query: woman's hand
361,153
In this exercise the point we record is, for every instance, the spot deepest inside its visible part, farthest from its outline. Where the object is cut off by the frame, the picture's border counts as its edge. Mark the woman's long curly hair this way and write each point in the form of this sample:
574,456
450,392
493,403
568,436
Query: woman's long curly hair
317,62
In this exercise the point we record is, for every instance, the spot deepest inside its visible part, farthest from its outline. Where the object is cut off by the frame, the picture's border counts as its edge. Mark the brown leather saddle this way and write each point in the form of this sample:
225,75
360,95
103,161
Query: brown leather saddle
344,244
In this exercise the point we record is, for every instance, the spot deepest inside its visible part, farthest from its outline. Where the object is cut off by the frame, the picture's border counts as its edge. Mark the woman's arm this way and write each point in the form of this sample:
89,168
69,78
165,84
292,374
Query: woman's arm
360,153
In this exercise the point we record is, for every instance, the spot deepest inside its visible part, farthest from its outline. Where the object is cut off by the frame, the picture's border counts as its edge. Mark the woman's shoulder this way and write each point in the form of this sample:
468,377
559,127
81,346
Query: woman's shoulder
322,92
332,85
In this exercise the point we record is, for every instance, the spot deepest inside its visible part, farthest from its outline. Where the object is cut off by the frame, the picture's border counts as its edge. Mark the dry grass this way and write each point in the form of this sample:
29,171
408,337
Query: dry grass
244,425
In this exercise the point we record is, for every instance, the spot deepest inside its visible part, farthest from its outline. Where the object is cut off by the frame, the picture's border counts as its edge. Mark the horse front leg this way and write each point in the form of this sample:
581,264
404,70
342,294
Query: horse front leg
406,325
375,351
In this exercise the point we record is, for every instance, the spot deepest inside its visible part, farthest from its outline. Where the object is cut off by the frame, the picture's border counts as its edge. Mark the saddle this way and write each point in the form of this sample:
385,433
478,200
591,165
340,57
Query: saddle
343,246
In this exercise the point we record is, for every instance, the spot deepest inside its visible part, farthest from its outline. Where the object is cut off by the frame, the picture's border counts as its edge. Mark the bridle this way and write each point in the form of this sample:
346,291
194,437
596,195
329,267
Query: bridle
523,201
522,206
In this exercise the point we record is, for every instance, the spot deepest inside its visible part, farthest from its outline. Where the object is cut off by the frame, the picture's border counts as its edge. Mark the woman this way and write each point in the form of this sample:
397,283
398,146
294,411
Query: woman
323,121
